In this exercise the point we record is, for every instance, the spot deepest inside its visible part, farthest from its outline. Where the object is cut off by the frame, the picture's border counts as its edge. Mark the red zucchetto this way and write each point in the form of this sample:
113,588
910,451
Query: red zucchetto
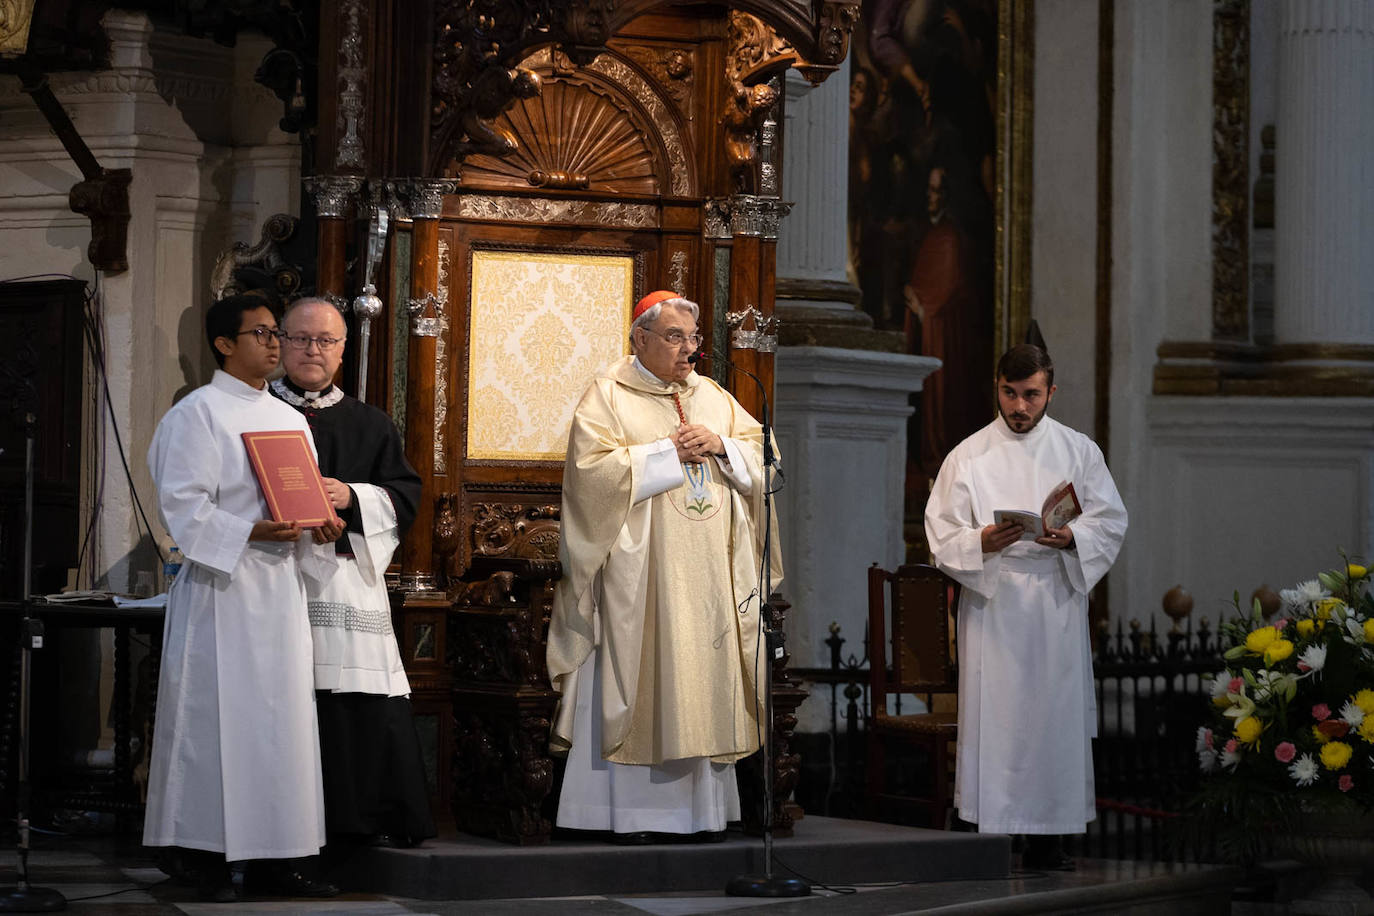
652,299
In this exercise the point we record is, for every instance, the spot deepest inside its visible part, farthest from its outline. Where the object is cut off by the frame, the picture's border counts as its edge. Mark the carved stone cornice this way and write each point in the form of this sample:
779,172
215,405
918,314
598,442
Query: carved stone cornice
425,196
1213,368
1231,169
335,196
751,215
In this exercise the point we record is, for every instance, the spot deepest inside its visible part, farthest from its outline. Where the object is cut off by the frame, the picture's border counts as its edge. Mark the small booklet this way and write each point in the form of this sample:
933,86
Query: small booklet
1060,508
289,477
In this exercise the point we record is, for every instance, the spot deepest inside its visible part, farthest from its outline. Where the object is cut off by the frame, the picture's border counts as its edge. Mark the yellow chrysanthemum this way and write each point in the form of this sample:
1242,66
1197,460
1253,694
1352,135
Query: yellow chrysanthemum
1258,640
1326,606
1317,733
1277,651
1365,700
1335,754
1369,630
1367,729
1356,571
1306,627
1248,730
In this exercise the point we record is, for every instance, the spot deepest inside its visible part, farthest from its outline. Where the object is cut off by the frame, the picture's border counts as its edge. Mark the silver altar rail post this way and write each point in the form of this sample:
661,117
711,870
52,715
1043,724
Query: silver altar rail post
368,305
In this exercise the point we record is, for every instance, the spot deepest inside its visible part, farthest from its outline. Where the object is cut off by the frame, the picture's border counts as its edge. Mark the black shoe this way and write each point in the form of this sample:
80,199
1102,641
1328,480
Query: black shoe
216,884
1055,861
385,841
707,836
637,838
286,882
1046,853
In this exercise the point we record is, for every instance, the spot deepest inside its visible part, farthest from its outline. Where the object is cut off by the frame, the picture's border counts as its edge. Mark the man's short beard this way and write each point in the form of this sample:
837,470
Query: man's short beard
1035,420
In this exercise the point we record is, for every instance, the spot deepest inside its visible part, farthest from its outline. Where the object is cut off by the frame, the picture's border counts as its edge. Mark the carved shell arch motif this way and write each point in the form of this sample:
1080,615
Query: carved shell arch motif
602,127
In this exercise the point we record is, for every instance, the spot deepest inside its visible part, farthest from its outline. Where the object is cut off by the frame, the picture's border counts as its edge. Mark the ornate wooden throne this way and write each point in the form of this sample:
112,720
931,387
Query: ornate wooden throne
574,156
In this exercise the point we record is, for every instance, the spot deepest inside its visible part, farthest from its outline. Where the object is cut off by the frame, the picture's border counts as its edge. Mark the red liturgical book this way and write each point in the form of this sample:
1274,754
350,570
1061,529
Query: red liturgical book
289,477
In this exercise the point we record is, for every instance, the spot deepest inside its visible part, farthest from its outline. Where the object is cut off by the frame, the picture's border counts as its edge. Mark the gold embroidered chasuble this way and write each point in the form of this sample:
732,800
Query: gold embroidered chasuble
664,587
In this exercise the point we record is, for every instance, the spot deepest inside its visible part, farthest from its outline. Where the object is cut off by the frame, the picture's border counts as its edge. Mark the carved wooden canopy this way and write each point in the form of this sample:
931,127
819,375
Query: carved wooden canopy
478,45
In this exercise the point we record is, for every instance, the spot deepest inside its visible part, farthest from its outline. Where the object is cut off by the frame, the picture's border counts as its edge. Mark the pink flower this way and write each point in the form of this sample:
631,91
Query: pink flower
1346,782
1285,752
1303,666
1280,623
1231,746
1235,685
1321,712
1211,742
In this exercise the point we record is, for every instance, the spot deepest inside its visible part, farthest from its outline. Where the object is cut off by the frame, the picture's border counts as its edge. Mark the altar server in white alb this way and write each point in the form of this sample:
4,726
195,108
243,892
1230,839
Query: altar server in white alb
1027,711
653,636
235,766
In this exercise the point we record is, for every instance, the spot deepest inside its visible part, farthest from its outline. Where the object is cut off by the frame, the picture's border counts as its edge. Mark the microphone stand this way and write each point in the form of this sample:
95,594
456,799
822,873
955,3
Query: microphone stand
766,884
24,898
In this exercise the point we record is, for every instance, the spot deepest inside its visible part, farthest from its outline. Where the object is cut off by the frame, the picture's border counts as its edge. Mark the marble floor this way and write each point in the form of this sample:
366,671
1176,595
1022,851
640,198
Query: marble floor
117,876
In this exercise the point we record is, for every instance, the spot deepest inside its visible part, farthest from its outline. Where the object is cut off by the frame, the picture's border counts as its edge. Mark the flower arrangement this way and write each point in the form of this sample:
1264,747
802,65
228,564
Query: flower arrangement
1291,719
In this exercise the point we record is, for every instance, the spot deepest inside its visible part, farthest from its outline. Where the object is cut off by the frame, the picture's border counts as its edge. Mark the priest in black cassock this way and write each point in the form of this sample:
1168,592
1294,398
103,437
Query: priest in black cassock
374,781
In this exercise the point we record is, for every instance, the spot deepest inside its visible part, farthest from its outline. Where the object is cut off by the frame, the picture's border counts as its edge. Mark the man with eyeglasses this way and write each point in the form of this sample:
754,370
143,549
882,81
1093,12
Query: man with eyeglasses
653,635
375,790
235,766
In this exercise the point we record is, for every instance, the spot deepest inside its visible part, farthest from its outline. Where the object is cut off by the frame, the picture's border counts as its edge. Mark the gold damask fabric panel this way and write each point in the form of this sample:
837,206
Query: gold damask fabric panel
542,326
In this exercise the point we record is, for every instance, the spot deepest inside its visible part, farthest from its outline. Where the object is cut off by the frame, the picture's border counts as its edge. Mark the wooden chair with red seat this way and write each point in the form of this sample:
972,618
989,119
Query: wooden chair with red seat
914,654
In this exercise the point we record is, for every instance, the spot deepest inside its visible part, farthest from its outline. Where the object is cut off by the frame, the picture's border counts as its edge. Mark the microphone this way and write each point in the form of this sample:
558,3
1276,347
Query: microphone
769,457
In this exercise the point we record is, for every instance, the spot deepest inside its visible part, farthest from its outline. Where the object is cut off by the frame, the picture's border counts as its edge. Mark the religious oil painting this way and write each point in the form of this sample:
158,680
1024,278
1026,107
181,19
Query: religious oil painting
542,326
927,196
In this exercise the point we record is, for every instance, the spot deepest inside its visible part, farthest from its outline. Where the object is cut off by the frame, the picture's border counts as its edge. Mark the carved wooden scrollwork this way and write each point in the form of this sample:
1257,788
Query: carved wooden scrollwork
514,530
755,51
749,107
501,775
599,146
673,69
477,44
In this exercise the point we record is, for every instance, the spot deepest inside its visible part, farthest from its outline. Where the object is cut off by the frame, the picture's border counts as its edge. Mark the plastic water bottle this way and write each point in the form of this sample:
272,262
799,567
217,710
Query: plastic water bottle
171,568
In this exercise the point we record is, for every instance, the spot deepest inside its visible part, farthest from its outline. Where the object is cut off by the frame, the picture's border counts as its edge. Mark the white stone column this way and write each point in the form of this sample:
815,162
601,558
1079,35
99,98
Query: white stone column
1324,195
841,428
812,241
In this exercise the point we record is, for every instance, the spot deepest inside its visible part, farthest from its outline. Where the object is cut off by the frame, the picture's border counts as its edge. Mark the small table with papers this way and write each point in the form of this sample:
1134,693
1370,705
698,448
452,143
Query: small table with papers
116,793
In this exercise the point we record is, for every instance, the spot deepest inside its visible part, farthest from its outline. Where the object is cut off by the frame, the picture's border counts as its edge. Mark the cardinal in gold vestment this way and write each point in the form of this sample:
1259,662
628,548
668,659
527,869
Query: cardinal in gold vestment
653,641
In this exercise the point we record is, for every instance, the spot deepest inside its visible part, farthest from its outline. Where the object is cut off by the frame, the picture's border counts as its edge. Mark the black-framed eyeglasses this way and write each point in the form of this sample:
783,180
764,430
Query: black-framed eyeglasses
677,338
262,334
302,342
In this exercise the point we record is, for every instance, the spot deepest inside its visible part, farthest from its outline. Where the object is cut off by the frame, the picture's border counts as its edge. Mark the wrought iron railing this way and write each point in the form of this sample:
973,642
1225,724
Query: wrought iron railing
1151,696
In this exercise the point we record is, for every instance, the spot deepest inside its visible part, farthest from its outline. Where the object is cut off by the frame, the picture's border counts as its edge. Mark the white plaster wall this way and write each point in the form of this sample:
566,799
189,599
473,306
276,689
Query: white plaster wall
1161,260
209,165
1064,202
1255,491
812,240
841,430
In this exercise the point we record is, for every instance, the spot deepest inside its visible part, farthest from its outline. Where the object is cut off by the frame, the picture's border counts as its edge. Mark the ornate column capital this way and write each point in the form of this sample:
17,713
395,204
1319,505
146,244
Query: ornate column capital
425,196
335,196
753,215
716,217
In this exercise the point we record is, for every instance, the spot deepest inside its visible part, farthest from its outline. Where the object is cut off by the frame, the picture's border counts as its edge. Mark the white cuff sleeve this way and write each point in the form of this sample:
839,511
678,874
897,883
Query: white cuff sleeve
655,468
734,467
